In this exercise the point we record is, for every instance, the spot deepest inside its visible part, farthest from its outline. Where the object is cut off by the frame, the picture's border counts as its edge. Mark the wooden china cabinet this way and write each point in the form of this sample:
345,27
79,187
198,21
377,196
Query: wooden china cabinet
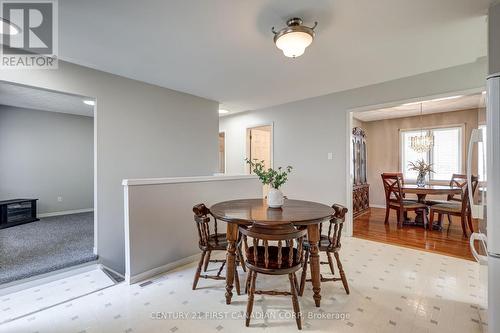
360,189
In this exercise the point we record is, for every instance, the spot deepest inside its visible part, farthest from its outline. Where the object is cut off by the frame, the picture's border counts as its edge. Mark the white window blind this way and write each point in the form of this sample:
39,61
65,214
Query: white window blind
446,153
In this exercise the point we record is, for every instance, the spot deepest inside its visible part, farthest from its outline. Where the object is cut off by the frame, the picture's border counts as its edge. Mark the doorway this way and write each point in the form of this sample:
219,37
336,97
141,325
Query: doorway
47,164
387,128
222,152
260,148
260,145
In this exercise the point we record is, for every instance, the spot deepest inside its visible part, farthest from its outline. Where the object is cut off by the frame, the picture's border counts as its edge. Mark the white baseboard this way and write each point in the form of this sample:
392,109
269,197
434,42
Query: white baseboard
104,267
376,206
66,212
159,270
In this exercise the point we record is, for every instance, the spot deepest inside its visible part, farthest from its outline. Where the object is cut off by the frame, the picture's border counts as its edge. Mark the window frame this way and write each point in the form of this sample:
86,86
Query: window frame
426,130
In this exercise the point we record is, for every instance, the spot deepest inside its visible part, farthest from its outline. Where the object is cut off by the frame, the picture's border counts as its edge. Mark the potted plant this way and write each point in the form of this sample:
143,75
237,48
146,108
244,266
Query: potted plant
274,178
422,168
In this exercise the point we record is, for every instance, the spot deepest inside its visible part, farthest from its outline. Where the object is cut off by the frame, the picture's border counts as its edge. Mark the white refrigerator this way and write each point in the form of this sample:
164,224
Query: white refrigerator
486,205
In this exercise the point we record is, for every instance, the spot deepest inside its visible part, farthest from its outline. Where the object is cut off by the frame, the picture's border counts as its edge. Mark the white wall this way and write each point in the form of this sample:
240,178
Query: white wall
45,155
160,228
142,131
306,131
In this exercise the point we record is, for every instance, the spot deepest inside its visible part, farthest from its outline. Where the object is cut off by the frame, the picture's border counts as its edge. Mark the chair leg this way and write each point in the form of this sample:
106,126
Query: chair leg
251,291
296,282
342,273
330,261
401,214
237,280
304,274
469,221
198,270
425,218
386,221
464,230
207,261
449,219
240,258
295,300
431,219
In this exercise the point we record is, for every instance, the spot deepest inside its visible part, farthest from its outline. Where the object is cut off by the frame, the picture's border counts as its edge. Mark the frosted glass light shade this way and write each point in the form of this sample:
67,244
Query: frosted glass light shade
293,44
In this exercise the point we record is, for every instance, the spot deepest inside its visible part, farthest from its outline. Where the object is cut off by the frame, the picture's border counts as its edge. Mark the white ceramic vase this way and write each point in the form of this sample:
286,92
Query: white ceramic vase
275,198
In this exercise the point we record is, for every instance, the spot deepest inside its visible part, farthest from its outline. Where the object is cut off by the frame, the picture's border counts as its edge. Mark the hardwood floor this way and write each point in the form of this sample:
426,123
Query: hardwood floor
371,226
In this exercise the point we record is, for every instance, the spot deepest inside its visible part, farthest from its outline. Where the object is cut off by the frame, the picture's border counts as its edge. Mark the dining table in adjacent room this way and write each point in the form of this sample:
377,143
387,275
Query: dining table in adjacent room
423,191
300,213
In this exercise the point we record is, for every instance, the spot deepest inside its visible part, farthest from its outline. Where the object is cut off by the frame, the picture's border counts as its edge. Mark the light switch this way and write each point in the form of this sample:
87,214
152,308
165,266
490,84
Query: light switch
330,156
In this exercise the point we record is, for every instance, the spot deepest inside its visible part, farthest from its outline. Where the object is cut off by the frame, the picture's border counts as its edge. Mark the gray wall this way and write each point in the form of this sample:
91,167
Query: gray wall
305,131
142,131
45,155
157,240
494,39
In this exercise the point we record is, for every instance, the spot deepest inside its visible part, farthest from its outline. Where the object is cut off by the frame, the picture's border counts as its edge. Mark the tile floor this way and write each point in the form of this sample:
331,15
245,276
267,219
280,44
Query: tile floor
33,299
393,289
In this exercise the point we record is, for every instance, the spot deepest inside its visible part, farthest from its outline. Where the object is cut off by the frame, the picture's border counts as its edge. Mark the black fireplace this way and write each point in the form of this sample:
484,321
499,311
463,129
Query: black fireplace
17,211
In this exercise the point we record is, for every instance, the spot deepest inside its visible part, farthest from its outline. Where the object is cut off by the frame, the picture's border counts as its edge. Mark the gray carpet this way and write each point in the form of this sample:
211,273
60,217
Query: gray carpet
46,245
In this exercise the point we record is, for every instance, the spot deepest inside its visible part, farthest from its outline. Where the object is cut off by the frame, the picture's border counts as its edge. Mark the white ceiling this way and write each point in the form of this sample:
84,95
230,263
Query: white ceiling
466,102
37,99
223,49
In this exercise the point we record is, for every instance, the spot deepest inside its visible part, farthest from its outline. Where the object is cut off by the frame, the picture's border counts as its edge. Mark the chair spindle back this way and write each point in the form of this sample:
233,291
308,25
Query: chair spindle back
202,218
288,251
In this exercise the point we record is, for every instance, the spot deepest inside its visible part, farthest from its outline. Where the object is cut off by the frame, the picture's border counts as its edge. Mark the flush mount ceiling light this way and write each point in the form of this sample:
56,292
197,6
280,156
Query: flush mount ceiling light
8,28
223,111
294,39
89,102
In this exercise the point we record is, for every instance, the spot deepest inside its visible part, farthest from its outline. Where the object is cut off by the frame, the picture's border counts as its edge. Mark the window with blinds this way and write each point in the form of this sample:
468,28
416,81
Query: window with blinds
445,156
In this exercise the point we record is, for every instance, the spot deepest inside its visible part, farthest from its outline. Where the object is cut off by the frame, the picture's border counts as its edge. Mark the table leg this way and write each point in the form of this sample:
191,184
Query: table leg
420,219
313,238
232,238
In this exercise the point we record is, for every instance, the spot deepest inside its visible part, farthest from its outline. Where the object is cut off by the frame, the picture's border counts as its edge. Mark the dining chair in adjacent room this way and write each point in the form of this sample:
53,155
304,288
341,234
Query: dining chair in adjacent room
330,244
211,240
394,198
283,257
456,205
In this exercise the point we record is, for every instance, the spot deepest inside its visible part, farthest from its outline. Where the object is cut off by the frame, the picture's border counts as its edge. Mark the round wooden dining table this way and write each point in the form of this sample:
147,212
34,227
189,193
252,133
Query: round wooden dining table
248,211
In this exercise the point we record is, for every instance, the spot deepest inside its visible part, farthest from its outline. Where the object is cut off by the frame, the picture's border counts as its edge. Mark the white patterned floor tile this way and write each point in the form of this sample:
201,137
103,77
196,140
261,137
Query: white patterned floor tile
393,289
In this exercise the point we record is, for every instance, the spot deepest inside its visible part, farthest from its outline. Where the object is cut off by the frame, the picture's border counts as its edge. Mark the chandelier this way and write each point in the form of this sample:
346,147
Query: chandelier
294,38
422,143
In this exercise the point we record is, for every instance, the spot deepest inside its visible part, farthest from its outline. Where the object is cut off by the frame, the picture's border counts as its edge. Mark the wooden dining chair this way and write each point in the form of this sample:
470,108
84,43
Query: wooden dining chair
394,198
285,258
329,243
456,205
211,240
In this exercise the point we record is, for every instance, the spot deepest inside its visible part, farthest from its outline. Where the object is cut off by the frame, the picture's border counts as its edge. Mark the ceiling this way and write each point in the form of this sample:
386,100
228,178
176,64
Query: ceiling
466,102
37,99
223,49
